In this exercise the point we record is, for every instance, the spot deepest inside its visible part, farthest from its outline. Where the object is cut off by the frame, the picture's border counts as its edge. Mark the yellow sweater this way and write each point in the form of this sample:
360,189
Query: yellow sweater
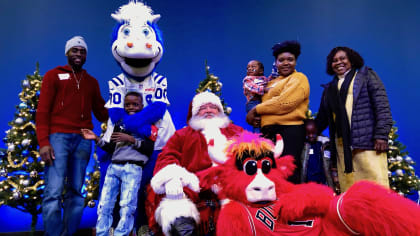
286,102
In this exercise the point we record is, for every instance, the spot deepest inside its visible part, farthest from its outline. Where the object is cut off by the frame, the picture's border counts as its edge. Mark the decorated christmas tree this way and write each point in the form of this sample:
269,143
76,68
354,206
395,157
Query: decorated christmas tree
21,167
91,187
402,176
212,84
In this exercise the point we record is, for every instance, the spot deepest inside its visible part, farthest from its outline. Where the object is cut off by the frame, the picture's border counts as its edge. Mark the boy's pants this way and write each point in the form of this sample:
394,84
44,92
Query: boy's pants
124,179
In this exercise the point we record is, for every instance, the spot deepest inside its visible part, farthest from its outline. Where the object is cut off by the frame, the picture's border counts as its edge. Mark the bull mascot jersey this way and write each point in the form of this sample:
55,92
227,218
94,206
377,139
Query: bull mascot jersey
137,48
262,202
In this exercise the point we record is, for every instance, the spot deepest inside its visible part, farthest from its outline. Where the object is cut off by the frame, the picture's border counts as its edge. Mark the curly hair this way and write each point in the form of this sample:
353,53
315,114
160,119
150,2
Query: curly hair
354,57
287,46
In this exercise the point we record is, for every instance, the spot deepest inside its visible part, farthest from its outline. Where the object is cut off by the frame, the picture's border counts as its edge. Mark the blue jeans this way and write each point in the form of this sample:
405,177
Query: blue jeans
248,106
67,172
125,178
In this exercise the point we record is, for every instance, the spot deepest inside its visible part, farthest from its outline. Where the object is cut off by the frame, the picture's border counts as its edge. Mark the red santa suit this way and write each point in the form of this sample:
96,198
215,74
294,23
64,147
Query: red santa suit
190,150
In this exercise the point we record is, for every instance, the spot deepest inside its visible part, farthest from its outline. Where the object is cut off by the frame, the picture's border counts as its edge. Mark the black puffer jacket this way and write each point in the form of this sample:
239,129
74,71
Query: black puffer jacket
371,116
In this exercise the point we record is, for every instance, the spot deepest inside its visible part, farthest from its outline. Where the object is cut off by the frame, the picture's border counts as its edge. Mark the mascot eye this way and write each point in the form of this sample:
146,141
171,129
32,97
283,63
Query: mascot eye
266,166
126,31
146,32
250,167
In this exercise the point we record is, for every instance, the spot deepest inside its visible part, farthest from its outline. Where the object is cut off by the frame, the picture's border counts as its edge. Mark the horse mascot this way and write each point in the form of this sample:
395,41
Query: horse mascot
137,47
262,202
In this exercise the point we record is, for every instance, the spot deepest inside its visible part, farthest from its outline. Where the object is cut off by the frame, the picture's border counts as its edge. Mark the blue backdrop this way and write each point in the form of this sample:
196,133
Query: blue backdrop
226,33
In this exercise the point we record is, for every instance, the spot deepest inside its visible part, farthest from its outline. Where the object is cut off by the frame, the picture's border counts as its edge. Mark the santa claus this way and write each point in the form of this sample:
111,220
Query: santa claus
177,203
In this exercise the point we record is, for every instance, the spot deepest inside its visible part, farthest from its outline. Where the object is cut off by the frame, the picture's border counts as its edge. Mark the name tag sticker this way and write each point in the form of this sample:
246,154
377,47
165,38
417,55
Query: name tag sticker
311,151
64,76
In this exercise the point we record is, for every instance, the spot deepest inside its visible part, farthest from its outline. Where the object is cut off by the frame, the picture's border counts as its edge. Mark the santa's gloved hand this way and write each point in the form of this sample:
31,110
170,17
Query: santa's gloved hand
191,181
174,189
183,226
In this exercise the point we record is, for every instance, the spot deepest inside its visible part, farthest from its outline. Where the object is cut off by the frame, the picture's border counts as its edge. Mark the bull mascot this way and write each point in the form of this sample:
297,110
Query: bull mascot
263,202
137,47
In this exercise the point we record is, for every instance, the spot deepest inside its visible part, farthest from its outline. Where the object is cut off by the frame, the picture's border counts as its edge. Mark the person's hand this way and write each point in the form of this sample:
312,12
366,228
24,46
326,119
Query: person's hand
47,154
257,121
88,134
253,118
174,189
381,145
122,137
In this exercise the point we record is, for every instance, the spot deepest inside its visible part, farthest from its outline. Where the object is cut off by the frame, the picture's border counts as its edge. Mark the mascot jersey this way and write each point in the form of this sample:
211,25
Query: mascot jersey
262,221
153,88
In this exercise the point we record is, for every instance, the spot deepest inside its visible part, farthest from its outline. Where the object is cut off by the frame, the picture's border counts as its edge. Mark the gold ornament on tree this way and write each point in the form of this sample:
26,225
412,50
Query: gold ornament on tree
92,181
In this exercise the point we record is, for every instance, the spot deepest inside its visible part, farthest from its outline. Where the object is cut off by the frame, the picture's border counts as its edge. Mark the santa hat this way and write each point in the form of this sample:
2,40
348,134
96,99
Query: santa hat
204,98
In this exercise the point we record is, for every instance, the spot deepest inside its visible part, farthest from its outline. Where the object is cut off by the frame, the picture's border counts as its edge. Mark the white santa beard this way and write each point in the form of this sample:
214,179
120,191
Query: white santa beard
201,123
210,128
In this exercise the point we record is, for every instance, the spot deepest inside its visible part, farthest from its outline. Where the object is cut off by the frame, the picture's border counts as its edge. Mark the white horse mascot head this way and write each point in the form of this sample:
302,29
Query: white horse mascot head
137,43
137,47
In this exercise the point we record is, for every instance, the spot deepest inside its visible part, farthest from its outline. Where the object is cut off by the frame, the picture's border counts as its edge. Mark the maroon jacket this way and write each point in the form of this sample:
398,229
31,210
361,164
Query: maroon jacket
63,108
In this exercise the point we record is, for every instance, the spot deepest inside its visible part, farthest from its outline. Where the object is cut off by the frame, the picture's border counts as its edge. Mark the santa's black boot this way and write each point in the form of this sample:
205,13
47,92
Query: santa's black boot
184,226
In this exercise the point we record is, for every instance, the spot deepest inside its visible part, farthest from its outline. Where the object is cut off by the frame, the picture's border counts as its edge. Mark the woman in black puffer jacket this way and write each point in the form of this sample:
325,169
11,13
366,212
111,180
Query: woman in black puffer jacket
355,107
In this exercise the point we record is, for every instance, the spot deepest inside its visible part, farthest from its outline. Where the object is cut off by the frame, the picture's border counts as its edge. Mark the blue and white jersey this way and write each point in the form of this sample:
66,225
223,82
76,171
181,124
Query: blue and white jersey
153,89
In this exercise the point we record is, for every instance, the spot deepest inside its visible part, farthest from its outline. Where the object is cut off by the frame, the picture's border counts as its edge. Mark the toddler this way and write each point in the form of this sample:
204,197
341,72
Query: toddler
254,85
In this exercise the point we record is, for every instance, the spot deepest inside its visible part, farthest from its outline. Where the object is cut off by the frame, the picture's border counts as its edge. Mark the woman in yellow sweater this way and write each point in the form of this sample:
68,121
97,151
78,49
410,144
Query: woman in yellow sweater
284,106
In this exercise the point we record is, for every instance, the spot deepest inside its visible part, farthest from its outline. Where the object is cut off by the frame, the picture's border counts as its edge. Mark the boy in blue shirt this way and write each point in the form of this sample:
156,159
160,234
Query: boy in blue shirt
129,155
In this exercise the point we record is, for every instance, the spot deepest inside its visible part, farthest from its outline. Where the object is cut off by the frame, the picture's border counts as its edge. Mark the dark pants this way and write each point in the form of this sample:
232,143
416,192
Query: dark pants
141,218
294,138
248,106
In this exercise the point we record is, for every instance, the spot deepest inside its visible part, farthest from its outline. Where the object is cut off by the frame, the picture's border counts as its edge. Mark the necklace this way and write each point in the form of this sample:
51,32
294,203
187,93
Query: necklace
77,79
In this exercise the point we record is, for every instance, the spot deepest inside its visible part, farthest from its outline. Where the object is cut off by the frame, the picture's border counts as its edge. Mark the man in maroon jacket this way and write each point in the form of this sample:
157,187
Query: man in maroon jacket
68,97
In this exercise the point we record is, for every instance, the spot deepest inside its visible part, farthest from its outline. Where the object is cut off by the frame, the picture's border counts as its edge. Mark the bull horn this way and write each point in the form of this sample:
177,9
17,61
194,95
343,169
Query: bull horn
278,149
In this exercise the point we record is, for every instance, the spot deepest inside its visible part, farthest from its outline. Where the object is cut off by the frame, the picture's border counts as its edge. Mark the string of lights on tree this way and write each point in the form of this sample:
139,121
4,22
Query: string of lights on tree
21,167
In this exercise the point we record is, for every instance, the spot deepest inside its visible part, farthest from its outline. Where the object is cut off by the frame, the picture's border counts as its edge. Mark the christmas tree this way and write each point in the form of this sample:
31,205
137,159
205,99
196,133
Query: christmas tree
212,84
91,187
21,167
402,176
